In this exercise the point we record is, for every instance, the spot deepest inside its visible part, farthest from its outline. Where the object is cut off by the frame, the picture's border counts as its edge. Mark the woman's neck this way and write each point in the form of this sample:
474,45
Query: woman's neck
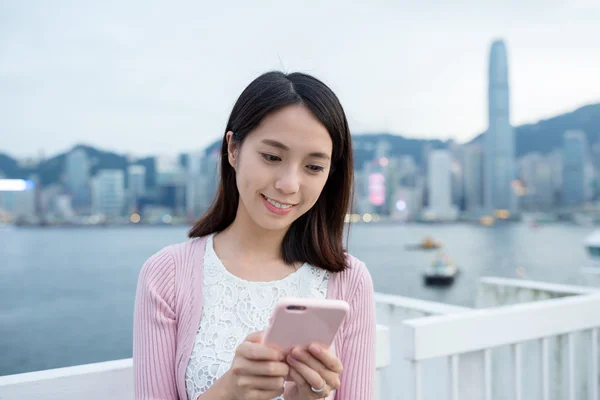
250,240
252,254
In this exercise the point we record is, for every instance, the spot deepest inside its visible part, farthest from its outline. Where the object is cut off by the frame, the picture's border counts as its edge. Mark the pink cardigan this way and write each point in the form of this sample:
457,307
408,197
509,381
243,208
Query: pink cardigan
168,307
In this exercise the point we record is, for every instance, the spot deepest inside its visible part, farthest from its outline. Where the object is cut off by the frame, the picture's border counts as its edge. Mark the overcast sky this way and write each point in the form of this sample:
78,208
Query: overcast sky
158,77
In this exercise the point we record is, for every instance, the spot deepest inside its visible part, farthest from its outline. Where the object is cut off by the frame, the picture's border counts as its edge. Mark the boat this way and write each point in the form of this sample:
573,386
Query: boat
442,272
592,246
583,219
428,243
5,226
538,219
534,224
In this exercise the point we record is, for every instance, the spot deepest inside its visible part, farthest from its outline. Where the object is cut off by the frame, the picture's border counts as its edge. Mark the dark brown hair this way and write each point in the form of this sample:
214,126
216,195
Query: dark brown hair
317,236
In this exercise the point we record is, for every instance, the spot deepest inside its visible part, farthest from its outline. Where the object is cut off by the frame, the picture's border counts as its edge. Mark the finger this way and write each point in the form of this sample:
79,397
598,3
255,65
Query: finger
261,382
255,337
256,394
268,394
260,368
298,379
326,357
259,352
331,377
311,376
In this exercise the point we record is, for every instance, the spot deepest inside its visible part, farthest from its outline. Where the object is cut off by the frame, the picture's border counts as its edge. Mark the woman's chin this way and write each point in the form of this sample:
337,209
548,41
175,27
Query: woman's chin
269,223
274,226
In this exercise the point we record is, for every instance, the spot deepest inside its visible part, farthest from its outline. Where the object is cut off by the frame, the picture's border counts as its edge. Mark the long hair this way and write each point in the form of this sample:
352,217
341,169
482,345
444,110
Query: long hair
317,236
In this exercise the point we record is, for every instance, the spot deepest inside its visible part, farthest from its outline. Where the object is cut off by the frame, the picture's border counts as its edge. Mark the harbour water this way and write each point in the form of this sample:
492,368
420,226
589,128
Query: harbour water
66,295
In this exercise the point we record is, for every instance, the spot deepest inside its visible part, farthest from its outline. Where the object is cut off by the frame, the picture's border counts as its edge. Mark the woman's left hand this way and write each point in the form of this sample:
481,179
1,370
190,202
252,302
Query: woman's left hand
315,373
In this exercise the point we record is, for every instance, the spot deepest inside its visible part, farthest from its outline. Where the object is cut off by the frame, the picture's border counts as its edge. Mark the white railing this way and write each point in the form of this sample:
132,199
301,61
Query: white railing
473,335
110,380
392,311
454,352
99,381
554,289
494,291
382,357
389,306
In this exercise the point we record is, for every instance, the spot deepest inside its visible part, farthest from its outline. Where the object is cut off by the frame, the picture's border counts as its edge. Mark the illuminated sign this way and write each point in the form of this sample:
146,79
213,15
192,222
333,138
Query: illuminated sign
377,189
15,185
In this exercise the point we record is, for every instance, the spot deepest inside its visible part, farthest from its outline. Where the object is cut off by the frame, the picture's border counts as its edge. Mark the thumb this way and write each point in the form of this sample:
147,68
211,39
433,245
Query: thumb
256,337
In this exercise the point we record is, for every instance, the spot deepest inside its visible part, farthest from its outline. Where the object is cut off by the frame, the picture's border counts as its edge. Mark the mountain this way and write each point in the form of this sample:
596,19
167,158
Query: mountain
9,166
543,136
547,135
50,170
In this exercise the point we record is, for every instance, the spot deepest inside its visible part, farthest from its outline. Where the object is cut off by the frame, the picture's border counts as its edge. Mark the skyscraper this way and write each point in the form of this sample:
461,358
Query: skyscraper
499,140
77,172
575,160
108,192
195,187
472,178
170,183
536,174
440,186
136,186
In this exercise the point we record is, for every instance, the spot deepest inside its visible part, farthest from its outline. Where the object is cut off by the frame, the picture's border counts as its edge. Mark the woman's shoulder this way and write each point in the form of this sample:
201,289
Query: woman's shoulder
182,251
164,263
357,269
167,276
355,277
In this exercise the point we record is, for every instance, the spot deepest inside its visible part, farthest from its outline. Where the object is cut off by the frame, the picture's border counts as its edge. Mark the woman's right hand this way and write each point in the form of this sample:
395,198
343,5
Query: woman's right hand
257,371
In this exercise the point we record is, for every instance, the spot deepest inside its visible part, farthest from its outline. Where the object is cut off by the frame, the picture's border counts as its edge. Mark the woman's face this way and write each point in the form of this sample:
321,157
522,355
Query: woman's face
281,167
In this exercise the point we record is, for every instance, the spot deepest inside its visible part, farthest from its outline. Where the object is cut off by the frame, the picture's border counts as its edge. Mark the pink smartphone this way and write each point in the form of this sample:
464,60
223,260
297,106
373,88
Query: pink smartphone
300,322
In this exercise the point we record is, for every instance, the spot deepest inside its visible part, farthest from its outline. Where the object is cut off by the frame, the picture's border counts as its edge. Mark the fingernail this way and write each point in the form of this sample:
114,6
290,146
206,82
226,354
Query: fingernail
292,360
315,349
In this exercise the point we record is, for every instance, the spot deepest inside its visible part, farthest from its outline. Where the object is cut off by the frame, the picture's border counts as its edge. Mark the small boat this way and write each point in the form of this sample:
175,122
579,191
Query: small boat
534,224
427,244
6,226
443,271
583,219
592,245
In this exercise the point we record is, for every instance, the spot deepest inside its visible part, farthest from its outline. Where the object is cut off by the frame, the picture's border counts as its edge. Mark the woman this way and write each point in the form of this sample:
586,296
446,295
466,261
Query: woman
275,230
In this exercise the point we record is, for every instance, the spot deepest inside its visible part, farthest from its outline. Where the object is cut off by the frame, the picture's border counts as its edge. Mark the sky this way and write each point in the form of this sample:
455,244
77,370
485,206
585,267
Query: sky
154,77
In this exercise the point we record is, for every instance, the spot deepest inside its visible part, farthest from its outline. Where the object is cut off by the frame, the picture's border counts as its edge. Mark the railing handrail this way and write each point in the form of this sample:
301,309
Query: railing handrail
65,372
424,306
557,288
445,335
382,361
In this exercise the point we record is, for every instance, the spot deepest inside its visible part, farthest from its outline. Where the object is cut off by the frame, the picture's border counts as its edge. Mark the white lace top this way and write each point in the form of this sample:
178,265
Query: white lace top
232,309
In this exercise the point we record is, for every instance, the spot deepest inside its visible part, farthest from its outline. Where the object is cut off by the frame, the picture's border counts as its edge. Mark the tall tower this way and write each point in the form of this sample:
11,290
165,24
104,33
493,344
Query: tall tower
77,172
108,192
440,186
575,160
499,142
472,170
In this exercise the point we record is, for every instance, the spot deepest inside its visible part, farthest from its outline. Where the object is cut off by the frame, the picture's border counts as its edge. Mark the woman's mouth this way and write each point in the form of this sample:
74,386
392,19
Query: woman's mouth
277,207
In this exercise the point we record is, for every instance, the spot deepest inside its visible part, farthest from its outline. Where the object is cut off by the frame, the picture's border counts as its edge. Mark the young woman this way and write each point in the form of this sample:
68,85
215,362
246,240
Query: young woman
275,230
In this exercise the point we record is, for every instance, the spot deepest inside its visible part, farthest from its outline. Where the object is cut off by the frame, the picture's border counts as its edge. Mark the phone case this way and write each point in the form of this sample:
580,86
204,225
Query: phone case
300,322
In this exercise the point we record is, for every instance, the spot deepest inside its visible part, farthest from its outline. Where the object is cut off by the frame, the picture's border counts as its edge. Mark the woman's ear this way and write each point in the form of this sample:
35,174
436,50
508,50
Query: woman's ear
232,149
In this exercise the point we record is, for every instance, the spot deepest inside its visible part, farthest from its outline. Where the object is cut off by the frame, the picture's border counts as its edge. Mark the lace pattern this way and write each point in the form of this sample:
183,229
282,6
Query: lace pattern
232,309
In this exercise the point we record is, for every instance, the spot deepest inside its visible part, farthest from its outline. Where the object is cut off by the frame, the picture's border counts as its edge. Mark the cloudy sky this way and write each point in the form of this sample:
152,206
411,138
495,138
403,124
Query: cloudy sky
161,77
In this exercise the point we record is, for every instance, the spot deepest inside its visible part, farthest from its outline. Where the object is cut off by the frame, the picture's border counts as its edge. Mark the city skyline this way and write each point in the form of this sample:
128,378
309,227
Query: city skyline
499,138
142,79
449,187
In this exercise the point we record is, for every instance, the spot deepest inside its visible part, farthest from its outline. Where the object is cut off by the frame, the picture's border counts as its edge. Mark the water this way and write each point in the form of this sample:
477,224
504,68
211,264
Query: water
66,295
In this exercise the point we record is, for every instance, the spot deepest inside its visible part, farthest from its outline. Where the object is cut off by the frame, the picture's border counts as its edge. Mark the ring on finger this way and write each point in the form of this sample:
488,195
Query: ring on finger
321,389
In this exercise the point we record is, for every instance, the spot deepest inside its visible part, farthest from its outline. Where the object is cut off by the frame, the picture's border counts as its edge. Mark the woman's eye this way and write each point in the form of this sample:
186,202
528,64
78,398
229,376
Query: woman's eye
315,168
270,157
